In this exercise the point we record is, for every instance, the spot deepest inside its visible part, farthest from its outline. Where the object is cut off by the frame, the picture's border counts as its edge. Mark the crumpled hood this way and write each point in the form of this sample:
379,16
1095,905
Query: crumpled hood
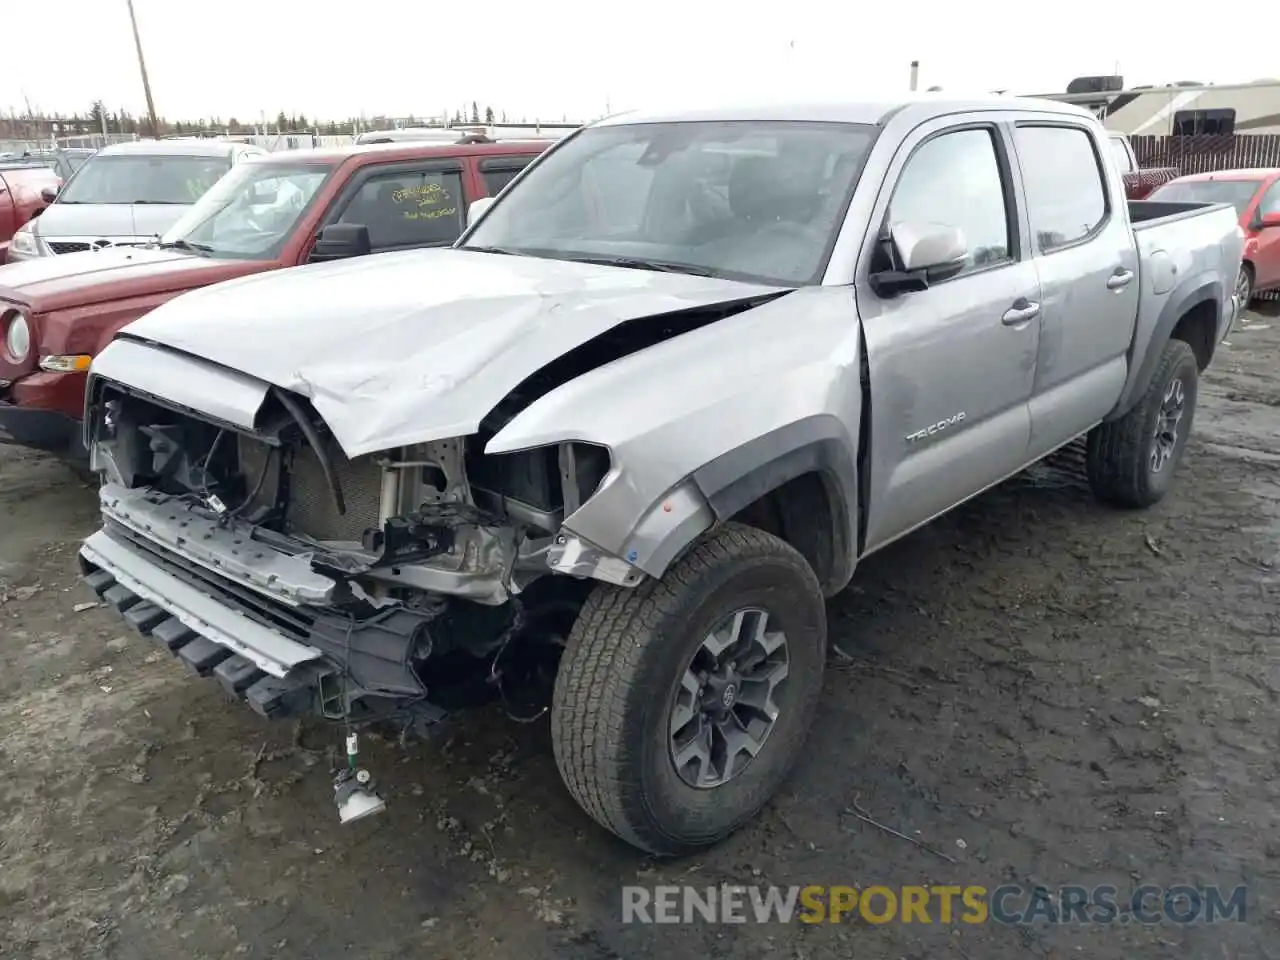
404,348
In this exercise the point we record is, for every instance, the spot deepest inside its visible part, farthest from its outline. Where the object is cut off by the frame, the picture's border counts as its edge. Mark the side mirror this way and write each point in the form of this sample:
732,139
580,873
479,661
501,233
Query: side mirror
928,252
1268,220
477,209
49,194
338,241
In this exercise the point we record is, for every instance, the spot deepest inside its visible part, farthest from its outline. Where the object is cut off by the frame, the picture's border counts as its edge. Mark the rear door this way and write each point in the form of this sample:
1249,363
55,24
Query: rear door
417,203
1266,256
1087,264
951,367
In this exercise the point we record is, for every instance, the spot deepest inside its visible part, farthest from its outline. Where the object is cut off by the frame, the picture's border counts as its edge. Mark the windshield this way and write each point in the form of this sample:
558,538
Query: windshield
144,179
251,212
1120,150
1238,193
756,200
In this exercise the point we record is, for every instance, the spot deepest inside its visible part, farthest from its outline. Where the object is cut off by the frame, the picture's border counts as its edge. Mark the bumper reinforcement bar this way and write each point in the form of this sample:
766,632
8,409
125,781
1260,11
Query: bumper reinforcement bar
261,675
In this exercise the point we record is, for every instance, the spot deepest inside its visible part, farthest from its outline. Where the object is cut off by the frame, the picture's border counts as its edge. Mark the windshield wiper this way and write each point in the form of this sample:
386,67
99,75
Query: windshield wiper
162,203
504,250
185,245
636,263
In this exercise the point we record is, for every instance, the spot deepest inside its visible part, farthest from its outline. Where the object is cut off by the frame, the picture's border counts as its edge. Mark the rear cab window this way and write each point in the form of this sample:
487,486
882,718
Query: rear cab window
1063,179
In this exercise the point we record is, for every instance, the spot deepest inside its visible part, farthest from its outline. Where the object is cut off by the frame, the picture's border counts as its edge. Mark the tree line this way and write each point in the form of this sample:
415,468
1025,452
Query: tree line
32,125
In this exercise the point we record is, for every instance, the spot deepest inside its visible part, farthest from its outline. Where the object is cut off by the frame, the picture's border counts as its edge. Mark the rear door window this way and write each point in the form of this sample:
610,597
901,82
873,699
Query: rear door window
1066,195
409,207
497,172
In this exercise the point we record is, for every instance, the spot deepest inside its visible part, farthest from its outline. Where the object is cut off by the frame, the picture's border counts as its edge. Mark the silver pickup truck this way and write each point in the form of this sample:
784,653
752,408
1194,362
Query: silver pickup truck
618,445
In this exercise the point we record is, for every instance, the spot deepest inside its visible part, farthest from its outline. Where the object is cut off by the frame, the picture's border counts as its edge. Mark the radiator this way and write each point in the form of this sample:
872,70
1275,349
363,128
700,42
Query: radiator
311,510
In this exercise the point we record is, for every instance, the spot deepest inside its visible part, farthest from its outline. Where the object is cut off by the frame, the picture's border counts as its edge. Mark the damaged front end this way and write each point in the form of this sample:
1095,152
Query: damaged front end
384,586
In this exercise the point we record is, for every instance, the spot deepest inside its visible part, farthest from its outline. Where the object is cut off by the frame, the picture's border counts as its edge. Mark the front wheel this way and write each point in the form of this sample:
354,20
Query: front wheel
1131,460
682,705
1244,287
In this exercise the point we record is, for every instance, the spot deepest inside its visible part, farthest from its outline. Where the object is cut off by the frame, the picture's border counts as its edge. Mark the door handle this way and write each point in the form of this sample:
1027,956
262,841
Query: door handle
1120,279
1021,311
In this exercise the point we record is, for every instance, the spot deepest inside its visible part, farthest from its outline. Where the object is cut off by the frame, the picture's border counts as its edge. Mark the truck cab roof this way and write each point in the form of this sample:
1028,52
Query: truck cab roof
877,111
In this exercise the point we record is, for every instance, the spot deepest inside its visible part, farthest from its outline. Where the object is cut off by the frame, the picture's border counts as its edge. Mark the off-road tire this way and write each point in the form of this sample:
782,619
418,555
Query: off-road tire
1119,452
617,684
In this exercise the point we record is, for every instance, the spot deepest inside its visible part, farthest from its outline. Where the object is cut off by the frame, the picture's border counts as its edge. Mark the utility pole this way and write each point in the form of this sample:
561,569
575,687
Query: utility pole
142,66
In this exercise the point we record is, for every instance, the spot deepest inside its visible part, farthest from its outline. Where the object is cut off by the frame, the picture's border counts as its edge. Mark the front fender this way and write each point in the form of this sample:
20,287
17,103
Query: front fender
705,422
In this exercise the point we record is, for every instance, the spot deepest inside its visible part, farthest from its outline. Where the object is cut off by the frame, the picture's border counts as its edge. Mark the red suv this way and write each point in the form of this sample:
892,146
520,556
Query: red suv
1256,196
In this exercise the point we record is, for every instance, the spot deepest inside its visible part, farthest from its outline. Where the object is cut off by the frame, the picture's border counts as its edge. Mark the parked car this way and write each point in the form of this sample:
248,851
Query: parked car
1255,195
63,161
623,439
126,195
22,189
1138,181
269,212
67,160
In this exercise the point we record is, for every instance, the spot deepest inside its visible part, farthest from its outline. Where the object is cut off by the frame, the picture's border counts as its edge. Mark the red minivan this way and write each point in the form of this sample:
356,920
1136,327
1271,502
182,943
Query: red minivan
1256,196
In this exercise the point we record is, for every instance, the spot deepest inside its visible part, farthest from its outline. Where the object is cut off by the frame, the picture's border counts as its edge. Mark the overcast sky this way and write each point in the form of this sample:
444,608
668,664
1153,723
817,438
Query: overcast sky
572,57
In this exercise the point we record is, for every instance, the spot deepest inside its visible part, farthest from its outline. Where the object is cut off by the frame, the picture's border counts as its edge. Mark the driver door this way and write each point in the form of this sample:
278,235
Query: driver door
951,367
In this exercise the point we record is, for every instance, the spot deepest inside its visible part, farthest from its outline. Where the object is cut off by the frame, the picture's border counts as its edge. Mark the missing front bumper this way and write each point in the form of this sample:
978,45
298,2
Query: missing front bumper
282,659
279,693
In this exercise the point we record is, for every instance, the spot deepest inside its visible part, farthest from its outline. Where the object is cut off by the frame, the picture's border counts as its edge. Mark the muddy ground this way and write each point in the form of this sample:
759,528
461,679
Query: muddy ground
1044,690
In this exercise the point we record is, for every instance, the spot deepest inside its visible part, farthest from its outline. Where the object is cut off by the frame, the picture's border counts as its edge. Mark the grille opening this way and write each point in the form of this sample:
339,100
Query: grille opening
309,504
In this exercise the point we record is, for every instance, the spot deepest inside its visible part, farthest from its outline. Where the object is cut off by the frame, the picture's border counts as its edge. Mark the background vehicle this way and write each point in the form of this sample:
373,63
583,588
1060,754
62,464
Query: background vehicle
22,187
67,160
63,161
655,405
272,211
1138,181
437,135
127,194
1255,195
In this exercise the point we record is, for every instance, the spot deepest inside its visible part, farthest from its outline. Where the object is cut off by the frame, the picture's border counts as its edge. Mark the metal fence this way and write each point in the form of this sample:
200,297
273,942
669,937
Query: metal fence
93,141
1205,154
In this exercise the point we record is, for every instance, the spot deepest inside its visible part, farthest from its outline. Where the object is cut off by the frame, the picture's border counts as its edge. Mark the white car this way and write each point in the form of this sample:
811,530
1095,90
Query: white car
127,195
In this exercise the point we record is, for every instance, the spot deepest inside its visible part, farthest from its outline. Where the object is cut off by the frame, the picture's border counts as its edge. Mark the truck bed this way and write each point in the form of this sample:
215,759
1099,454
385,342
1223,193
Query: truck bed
1182,246
1144,214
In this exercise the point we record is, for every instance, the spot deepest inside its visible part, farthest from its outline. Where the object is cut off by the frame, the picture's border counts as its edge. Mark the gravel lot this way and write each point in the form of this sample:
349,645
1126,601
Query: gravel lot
1045,690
